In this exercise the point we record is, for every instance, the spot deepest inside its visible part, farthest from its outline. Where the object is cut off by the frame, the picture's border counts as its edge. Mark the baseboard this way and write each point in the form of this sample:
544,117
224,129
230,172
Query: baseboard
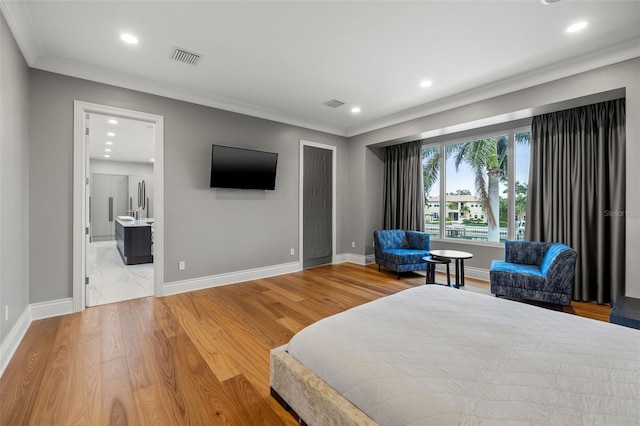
52,308
358,259
12,341
469,271
184,286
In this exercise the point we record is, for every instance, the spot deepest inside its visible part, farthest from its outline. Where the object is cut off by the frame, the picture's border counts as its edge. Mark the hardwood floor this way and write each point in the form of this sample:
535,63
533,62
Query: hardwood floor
194,358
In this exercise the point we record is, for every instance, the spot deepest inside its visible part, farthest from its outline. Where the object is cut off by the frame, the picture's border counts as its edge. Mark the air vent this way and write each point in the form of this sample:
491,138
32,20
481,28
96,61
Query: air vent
333,103
185,56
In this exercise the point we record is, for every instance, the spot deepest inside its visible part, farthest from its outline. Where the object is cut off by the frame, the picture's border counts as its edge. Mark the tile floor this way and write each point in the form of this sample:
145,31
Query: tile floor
110,280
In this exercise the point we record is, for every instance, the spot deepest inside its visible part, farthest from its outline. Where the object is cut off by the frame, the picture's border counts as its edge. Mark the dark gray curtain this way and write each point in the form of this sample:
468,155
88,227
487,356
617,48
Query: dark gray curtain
577,193
403,196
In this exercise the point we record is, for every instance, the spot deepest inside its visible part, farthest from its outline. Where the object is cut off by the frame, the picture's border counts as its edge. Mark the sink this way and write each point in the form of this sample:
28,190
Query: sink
125,217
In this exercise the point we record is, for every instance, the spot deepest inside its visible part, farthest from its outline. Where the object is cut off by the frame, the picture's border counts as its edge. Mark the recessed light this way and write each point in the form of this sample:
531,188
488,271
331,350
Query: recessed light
129,38
107,156
549,1
112,121
107,150
111,134
152,160
355,110
109,143
578,26
426,83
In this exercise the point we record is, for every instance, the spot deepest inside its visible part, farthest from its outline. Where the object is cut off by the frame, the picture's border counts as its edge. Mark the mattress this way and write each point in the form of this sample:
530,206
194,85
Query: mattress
437,355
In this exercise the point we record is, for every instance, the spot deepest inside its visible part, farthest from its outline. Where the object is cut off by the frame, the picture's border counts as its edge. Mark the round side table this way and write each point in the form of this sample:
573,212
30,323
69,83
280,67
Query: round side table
431,269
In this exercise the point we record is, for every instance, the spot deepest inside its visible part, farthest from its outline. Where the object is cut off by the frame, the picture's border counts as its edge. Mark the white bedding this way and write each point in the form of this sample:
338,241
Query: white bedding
437,355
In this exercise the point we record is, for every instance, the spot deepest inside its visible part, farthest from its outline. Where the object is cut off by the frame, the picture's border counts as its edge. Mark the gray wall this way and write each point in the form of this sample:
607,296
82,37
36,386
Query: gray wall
213,231
625,75
14,181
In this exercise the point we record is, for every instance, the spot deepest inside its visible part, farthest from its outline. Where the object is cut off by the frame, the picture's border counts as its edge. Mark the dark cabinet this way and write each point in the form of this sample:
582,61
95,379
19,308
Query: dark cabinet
134,241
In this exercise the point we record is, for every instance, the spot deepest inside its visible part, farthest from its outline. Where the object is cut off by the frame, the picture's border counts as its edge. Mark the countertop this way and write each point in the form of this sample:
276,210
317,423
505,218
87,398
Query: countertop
130,223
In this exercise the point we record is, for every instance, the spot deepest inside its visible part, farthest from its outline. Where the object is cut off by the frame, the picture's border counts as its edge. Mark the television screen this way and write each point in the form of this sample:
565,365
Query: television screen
242,168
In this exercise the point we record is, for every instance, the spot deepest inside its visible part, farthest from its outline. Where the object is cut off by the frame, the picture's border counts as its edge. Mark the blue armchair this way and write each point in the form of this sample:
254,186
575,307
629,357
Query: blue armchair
534,270
400,250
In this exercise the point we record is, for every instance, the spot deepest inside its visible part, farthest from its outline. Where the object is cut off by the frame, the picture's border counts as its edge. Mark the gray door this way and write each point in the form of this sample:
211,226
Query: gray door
317,207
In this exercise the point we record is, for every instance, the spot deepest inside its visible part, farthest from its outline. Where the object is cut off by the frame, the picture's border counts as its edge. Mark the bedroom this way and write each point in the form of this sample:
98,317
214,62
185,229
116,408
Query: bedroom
41,279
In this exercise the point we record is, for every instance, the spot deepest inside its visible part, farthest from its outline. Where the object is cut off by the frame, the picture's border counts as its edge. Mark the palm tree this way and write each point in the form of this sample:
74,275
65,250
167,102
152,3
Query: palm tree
430,169
487,158
521,198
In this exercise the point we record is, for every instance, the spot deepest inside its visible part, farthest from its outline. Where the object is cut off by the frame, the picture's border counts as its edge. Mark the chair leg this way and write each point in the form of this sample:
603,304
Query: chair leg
378,268
448,276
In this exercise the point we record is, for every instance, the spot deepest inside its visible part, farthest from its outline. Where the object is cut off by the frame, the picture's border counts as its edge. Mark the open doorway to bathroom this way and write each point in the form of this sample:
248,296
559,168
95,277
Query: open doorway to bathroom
121,224
118,205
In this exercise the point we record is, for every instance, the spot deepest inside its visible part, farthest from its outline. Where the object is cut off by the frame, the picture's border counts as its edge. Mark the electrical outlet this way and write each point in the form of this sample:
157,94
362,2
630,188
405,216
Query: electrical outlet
6,312
353,244
293,252
181,265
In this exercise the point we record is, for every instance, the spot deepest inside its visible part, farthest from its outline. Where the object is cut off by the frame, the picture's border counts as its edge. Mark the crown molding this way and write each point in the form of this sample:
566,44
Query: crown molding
19,21
128,81
573,66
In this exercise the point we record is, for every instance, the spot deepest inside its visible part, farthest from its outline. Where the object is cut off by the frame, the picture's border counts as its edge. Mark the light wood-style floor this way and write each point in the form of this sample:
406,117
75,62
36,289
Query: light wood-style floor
197,358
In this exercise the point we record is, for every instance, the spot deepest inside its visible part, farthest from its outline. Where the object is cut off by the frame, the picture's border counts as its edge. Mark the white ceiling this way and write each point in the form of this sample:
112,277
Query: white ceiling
283,60
131,140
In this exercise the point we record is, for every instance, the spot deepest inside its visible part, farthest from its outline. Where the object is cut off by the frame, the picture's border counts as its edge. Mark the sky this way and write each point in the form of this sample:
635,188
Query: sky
463,179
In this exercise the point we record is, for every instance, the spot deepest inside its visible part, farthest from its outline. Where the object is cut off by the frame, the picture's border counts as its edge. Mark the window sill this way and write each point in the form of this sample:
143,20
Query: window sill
467,242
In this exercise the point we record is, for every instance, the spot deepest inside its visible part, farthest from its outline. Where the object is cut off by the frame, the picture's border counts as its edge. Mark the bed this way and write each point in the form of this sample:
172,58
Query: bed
437,355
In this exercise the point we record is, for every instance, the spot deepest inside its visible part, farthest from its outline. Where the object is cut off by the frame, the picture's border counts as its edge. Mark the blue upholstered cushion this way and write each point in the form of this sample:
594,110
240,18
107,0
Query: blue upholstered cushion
552,254
502,266
525,252
391,238
418,240
402,256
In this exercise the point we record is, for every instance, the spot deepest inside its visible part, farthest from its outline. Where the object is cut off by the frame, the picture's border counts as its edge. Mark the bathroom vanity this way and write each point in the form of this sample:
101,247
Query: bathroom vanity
134,238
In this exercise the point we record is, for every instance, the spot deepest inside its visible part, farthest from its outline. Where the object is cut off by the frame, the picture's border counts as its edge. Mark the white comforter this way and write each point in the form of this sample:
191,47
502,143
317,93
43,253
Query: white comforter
437,355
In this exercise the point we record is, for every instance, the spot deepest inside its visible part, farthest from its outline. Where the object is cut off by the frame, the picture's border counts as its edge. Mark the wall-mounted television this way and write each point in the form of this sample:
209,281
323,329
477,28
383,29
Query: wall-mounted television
242,168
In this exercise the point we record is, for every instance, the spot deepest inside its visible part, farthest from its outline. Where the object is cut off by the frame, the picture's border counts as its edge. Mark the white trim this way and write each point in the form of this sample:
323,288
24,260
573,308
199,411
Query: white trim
591,61
469,271
103,75
10,344
16,14
51,308
81,109
184,286
358,259
334,166
19,21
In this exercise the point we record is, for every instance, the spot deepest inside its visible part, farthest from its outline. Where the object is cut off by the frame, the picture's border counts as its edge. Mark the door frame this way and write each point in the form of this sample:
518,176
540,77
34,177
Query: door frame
80,185
334,161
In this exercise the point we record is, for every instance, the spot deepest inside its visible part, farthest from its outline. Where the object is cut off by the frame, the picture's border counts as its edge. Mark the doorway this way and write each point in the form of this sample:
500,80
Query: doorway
118,159
317,204
121,163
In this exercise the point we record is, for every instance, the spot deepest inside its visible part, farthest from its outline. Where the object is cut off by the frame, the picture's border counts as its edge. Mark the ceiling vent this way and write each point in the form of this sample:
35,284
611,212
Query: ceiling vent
184,56
333,103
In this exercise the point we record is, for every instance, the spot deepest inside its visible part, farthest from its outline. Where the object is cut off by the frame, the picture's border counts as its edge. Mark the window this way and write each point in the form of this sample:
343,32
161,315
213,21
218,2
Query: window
431,183
522,153
481,187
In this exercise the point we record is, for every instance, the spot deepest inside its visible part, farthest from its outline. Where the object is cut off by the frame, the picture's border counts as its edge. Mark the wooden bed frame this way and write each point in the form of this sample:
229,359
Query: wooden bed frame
309,399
